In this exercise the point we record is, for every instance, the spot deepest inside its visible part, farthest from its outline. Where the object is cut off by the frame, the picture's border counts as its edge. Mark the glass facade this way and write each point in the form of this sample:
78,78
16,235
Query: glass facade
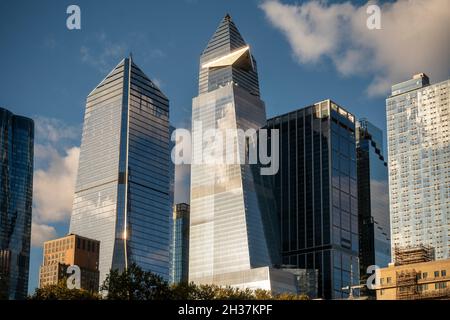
16,190
316,194
418,127
180,244
227,228
373,198
122,195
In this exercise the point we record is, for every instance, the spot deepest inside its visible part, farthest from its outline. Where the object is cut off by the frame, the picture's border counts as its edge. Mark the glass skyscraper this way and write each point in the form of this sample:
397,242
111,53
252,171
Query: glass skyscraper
418,134
373,198
229,234
122,193
16,190
180,244
317,196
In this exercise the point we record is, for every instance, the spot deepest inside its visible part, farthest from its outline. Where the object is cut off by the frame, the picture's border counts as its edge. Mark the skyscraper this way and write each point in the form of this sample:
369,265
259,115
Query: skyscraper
316,194
373,198
16,190
180,244
230,238
122,193
67,251
418,134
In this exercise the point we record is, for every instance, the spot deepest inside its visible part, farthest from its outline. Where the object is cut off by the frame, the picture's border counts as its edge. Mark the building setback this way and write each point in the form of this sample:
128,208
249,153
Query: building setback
231,240
316,194
16,189
122,194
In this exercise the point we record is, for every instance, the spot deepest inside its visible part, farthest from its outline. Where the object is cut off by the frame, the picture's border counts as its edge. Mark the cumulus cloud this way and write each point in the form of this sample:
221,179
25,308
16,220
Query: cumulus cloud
53,130
54,186
413,38
41,233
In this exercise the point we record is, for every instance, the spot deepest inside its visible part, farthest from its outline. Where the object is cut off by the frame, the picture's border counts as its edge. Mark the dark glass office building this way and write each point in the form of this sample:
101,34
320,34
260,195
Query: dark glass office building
179,270
316,194
122,194
373,198
16,189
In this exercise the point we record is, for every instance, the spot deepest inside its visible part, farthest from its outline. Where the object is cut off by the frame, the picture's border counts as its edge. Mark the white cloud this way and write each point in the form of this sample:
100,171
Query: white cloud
53,130
53,187
414,38
41,233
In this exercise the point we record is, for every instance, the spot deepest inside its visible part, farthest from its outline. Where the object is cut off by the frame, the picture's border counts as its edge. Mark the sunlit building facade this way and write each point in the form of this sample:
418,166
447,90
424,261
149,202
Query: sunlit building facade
418,134
230,238
61,253
122,193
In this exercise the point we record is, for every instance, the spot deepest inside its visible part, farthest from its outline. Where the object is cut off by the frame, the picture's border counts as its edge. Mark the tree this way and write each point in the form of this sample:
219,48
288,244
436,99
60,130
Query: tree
135,284
291,296
61,292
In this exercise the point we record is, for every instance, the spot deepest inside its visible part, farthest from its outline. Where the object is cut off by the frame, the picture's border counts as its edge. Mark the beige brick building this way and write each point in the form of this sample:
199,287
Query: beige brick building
423,280
72,249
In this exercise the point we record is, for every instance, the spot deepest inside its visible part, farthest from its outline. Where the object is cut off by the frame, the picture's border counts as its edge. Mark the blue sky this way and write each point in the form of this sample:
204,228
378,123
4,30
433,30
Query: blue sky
305,53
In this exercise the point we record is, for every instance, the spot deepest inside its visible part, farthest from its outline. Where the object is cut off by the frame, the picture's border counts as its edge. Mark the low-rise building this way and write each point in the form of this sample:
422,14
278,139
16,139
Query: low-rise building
72,249
427,279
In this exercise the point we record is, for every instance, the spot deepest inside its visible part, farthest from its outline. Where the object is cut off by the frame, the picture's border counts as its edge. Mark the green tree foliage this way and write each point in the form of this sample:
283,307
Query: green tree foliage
61,292
137,284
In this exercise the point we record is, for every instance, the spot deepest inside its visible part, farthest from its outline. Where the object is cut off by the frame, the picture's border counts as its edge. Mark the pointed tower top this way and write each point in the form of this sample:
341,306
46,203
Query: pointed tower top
226,39
130,56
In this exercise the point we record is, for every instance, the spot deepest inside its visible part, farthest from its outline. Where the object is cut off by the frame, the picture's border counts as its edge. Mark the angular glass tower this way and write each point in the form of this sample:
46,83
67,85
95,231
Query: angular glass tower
16,190
122,194
228,233
373,199
316,194
418,126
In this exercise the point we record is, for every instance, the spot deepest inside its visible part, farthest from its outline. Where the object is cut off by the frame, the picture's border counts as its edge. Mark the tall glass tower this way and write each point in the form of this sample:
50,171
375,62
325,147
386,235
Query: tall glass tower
316,194
122,193
229,236
16,190
418,126
373,198
179,270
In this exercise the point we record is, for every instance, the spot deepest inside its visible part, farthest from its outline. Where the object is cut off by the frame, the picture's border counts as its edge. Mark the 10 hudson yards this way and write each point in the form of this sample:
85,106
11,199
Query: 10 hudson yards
299,158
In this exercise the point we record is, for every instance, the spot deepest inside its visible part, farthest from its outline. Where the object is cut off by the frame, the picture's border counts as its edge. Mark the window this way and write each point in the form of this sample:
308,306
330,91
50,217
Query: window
389,280
436,274
425,275
382,281
443,273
